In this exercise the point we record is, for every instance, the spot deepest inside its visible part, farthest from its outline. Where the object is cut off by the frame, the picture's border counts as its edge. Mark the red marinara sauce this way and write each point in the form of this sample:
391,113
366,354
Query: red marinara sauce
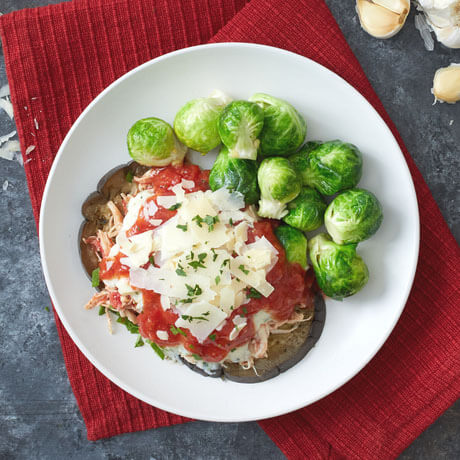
293,286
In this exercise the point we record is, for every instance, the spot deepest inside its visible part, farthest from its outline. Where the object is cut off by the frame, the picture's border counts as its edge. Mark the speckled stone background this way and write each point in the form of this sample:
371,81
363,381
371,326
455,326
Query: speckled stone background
38,414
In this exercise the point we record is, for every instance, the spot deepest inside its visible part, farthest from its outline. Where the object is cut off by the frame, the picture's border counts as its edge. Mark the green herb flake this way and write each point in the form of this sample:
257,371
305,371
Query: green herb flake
195,318
174,207
47,308
211,221
133,328
139,342
225,262
230,221
212,337
95,277
243,269
198,220
152,260
101,310
214,255
196,264
181,272
254,294
158,350
197,357
217,280
233,349
129,176
182,227
177,330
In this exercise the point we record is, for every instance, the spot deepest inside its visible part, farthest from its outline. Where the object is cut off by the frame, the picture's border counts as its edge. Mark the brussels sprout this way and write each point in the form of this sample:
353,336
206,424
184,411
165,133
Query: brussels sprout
329,167
239,126
299,159
294,244
284,128
196,122
235,174
151,142
340,272
278,184
353,216
306,212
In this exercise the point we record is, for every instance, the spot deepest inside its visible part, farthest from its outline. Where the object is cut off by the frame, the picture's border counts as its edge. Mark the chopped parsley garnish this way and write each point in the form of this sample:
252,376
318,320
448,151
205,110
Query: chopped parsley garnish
101,310
254,294
195,318
152,260
193,291
197,264
230,221
139,342
175,206
214,255
95,277
217,279
190,256
47,308
212,337
177,330
233,349
133,328
182,227
158,350
199,220
241,267
202,256
197,357
211,221
245,311
129,176
186,301
225,262
180,270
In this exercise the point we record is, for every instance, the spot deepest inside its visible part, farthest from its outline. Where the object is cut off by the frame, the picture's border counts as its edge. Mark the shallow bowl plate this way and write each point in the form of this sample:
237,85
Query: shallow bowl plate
355,328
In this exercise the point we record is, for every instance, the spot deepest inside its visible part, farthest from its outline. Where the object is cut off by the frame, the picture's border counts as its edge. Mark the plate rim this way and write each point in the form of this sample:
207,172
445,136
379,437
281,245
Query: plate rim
102,368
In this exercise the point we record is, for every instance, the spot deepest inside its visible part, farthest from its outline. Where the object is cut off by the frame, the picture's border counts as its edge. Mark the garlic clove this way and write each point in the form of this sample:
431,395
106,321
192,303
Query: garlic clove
378,17
444,18
446,84
397,6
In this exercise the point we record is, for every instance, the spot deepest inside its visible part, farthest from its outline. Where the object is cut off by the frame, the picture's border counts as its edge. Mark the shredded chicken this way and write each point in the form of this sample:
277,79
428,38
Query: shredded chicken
98,299
105,241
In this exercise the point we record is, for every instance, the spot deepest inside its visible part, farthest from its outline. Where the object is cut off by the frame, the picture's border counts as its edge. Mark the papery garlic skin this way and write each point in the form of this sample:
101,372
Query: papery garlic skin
382,18
446,84
444,18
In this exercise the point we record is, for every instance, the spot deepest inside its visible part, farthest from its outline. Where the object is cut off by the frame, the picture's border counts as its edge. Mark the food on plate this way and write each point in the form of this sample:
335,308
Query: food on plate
294,243
236,175
195,123
353,216
284,129
197,273
152,142
279,184
306,212
185,259
329,167
239,126
340,272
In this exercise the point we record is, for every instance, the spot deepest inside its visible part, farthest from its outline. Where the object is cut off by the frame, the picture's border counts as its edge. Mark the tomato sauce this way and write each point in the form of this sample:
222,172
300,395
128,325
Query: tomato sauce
293,286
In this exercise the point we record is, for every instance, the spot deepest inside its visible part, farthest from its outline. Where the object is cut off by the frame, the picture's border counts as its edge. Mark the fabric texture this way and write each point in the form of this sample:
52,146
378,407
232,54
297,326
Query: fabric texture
58,58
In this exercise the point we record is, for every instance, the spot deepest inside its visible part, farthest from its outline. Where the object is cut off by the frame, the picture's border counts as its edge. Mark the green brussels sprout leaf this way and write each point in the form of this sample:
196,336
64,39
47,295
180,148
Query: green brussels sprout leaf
195,123
353,216
235,175
294,244
284,129
278,184
239,125
306,212
329,167
151,142
339,271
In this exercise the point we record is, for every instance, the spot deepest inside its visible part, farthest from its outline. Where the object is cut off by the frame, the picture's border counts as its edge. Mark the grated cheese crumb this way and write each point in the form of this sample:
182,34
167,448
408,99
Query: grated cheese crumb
5,185
30,149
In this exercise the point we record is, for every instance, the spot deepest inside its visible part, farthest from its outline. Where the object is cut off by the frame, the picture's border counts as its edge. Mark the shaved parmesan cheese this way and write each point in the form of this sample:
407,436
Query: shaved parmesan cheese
30,149
7,151
7,106
137,247
165,302
162,335
240,323
201,319
134,206
166,201
187,184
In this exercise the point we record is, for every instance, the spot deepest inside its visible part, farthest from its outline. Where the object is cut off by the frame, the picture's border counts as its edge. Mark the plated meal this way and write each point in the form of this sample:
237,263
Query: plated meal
210,267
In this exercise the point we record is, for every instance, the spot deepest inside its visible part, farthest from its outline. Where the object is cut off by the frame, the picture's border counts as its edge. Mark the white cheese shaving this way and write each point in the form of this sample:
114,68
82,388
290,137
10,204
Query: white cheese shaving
166,201
134,206
30,149
165,302
5,185
137,247
240,323
187,184
162,335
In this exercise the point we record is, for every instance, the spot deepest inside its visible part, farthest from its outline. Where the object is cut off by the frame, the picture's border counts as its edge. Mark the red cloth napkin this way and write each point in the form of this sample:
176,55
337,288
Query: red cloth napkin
60,57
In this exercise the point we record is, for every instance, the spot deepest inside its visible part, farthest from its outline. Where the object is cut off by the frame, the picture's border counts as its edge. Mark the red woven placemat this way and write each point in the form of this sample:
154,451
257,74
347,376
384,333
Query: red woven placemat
60,57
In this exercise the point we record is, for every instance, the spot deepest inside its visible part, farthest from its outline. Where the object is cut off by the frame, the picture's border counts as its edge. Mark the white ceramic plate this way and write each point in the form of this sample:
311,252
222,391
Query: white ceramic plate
355,328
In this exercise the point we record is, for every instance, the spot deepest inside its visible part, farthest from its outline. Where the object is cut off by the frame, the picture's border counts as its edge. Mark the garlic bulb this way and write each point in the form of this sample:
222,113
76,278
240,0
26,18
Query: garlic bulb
382,18
444,18
446,84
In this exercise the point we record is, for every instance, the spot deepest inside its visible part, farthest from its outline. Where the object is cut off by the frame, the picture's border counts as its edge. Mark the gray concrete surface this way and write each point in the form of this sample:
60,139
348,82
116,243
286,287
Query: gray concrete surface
39,418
